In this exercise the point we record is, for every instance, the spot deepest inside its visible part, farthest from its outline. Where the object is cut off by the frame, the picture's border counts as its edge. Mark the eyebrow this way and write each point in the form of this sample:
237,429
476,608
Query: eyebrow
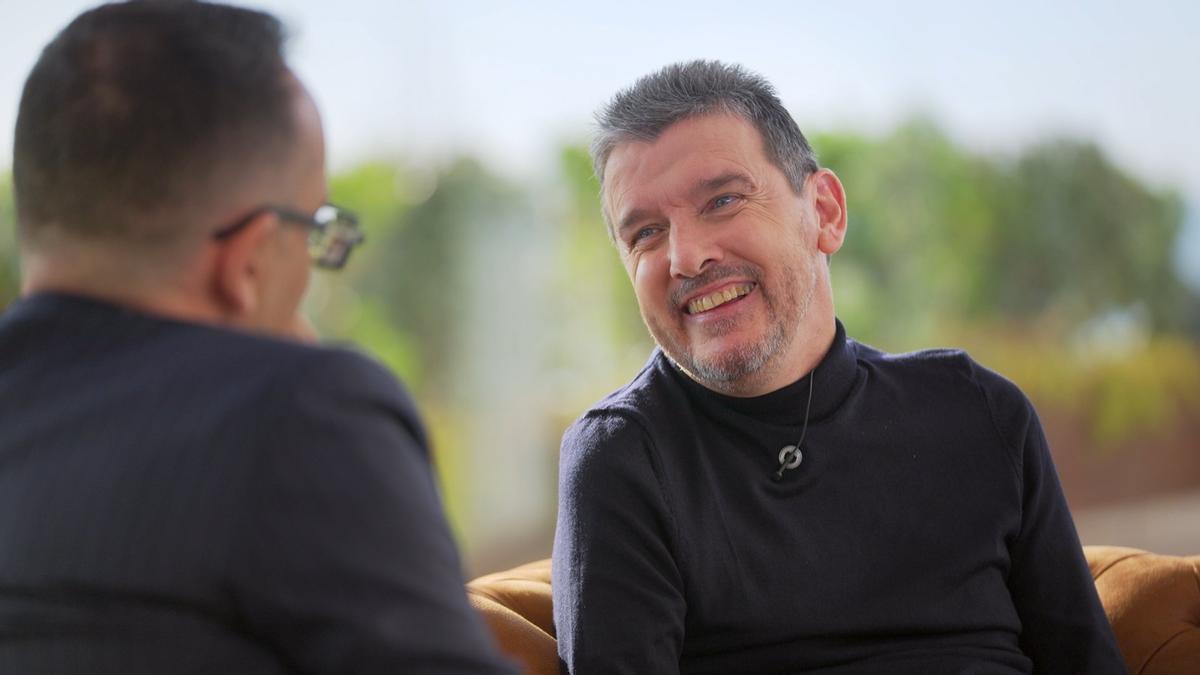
721,180
632,218
701,188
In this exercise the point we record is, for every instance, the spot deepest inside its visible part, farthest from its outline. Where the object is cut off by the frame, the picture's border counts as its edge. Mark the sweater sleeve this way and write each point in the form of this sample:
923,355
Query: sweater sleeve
1063,626
347,563
618,595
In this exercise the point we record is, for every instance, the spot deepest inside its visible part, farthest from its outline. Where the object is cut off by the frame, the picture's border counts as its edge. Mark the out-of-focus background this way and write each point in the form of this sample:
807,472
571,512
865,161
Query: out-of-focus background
1023,181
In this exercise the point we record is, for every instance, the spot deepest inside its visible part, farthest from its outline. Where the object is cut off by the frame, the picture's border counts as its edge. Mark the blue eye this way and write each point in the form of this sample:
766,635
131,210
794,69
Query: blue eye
643,237
643,233
723,201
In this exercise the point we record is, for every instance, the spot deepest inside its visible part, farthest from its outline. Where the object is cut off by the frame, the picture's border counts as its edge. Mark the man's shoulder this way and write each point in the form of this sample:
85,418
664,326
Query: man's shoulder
931,359
949,374
50,325
300,360
293,373
65,339
638,402
214,352
936,364
626,417
297,386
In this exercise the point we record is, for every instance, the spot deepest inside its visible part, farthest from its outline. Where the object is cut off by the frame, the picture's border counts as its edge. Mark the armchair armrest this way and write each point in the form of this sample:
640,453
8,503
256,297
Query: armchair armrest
1152,602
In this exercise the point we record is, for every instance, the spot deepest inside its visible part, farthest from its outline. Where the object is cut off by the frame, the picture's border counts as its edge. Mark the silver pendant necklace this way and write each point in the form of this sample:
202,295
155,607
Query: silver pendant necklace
791,456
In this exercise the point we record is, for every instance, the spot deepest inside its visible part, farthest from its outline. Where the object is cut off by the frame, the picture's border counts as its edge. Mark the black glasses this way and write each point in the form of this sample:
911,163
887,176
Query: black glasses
333,232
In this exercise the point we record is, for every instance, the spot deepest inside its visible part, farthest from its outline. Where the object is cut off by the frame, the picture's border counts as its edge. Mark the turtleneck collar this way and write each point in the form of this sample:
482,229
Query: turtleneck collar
834,377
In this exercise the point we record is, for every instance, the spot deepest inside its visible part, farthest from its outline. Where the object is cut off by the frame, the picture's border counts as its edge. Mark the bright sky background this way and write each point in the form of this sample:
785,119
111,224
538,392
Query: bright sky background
510,81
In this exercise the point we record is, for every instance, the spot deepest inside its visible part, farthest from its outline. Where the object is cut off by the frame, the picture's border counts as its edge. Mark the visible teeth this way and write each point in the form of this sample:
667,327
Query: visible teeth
719,298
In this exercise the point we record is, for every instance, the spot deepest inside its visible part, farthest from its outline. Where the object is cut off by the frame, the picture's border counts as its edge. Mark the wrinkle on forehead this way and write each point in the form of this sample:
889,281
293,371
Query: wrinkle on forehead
701,144
617,183
686,146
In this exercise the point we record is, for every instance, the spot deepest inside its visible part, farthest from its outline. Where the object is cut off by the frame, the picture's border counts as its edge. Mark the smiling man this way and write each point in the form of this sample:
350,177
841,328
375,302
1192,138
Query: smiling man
768,495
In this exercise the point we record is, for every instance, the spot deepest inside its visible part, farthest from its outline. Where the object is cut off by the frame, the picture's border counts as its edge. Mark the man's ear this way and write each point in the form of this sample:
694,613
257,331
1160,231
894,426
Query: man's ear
829,203
240,265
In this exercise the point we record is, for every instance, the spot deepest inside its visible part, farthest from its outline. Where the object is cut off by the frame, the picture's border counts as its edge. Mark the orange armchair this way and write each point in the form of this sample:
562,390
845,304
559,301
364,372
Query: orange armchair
1153,604
1152,601
516,606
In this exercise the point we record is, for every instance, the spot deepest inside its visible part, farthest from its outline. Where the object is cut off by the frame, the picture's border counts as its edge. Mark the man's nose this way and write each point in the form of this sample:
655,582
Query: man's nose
692,247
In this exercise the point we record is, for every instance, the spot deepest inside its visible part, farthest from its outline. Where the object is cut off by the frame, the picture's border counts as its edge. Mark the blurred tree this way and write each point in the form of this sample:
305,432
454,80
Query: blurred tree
939,236
598,300
447,292
381,194
1080,237
1055,267
9,277
419,273
920,211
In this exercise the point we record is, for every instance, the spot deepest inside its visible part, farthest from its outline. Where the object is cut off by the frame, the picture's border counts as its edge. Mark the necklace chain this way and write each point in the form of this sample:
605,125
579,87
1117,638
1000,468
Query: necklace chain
791,456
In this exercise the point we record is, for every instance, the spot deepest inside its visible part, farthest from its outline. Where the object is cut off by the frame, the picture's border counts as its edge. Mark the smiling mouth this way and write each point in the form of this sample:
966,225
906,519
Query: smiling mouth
714,300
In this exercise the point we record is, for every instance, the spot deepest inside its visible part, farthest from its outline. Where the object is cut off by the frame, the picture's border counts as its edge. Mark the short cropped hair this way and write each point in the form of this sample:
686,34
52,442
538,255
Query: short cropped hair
136,107
684,90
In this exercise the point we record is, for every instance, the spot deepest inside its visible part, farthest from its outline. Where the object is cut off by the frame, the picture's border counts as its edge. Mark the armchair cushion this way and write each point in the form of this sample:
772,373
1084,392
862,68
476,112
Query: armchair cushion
516,606
1152,602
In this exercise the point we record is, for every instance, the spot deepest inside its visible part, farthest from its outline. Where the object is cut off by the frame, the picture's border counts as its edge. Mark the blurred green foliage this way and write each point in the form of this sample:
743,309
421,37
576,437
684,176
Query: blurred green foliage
1054,267
588,252
9,281
939,235
1051,265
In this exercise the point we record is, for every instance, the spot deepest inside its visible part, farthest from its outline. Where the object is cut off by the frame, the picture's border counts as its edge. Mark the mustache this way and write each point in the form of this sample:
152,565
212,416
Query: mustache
712,275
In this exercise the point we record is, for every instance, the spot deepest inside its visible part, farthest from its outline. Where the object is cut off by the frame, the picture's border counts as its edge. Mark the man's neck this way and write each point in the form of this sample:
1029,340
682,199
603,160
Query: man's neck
808,346
119,284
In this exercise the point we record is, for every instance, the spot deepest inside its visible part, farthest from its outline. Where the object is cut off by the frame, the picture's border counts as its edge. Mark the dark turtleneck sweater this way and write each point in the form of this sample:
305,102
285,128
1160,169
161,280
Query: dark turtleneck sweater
925,530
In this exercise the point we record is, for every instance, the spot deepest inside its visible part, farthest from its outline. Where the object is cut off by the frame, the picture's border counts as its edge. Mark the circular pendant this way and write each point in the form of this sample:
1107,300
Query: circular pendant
790,457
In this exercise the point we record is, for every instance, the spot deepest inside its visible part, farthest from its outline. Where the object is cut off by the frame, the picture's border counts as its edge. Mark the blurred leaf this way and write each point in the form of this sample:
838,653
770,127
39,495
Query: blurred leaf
10,283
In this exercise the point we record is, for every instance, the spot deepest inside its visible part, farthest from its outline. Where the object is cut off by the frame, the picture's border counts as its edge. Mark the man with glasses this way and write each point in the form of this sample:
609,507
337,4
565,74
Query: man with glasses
333,232
185,487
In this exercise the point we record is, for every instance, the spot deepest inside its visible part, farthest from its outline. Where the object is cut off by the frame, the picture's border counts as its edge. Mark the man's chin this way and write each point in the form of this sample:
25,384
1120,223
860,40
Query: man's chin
718,361
724,366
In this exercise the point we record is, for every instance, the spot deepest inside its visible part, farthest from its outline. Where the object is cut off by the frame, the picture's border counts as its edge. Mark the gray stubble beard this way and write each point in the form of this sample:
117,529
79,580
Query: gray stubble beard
735,371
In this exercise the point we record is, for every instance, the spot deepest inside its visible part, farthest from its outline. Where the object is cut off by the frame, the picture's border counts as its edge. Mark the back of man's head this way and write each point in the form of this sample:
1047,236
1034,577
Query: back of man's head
138,116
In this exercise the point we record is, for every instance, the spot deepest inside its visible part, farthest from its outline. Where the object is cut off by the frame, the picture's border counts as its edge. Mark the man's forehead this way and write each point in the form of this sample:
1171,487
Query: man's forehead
688,155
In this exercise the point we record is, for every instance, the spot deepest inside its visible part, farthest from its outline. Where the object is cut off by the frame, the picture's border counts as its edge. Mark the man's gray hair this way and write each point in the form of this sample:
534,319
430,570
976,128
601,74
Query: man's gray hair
694,88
